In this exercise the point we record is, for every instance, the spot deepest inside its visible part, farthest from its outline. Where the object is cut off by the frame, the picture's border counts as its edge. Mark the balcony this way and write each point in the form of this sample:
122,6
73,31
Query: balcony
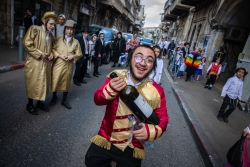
192,2
128,5
138,22
181,7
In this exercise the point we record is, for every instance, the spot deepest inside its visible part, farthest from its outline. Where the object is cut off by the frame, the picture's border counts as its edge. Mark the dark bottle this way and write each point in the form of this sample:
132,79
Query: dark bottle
137,104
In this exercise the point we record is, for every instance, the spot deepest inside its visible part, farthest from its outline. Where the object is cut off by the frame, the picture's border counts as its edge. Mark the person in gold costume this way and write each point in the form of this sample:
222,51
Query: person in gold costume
66,51
38,43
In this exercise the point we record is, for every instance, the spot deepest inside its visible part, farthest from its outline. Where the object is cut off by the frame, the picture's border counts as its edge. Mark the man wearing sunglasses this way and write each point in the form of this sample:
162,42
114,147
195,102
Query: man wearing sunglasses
115,139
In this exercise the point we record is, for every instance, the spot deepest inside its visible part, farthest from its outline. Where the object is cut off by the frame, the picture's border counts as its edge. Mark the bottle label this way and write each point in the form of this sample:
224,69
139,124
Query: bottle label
143,105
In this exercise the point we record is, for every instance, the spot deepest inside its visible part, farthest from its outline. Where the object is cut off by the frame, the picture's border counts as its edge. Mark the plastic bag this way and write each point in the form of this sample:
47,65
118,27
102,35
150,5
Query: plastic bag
122,59
235,153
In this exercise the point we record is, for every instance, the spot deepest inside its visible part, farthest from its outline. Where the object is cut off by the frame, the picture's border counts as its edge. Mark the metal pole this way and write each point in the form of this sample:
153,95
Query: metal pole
20,45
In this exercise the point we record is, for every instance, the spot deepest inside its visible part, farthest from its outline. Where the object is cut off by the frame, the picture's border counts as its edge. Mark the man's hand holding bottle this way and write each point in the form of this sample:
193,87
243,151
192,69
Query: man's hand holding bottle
117,83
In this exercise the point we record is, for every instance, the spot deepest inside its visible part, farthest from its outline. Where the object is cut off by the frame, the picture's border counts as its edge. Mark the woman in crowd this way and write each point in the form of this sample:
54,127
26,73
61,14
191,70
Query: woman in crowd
192,61
118,47
38,43
66,51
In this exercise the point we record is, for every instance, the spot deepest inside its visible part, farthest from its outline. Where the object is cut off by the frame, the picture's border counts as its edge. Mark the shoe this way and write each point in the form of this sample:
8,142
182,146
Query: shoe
66,104
87,76
209,88
98,73
113,66
31,109
42,106
186,80
179,77
119,65
53,101
95,75
77,83
206,86
219,117
225,119
83,81
196,80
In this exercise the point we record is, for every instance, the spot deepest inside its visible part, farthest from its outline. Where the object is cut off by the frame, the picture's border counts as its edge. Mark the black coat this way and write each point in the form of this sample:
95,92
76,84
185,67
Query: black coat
118,47
99,47
184,52
82,44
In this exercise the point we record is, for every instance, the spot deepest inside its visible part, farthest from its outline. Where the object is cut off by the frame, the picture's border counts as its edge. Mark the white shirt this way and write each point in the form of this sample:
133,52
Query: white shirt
166,43
131,82
86,45
160,43
201,65
47,35
216,65
68,39
182,67
156,75
233,88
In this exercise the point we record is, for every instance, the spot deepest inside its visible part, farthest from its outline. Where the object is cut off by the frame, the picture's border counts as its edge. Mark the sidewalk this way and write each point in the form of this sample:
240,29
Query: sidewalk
200,107
9,58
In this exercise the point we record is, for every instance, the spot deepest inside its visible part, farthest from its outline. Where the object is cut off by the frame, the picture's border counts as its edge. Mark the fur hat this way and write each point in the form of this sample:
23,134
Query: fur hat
50,14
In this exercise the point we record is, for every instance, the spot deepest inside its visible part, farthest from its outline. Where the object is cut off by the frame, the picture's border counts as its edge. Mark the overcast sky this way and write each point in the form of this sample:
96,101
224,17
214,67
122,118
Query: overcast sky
152,10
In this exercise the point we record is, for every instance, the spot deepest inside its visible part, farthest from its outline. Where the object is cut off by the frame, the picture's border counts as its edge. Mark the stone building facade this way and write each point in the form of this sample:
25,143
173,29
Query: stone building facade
119,14
211,24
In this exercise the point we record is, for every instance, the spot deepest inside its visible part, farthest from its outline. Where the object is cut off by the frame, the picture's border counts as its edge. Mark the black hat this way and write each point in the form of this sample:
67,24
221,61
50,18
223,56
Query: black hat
85,29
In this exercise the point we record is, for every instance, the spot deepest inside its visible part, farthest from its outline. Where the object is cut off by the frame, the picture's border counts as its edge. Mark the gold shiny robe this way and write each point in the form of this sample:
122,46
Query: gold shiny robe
62,70
37,72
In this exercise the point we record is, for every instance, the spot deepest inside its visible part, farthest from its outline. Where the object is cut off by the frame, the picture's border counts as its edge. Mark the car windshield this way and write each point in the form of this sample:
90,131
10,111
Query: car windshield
147,40
107,34
94,30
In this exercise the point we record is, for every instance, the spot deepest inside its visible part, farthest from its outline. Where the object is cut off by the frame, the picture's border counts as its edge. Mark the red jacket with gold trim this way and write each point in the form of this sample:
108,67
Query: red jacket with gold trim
115,127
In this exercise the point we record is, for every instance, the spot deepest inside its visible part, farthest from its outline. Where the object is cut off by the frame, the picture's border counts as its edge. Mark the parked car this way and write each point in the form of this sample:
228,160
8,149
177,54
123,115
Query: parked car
109,36
147,41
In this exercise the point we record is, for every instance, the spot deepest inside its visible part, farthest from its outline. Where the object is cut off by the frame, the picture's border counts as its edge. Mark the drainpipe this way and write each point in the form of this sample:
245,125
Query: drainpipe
12,22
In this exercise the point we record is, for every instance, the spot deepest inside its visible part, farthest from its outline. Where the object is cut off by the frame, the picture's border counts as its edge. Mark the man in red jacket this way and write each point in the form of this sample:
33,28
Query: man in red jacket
115,139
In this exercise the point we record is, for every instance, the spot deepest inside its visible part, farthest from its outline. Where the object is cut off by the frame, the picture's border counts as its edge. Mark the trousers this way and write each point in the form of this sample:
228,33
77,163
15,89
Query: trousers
97,156
81,69
227,101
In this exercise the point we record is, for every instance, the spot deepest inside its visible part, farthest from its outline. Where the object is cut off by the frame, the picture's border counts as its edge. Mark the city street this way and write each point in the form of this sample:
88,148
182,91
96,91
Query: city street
61,137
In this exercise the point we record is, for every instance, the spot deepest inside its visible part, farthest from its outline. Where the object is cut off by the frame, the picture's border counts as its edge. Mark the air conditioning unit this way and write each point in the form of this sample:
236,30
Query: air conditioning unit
92,3
237,34
106,15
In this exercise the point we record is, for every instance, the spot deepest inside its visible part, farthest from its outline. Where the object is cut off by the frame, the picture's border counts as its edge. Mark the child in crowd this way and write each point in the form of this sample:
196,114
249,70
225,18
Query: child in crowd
182,69
178,59
198,71
213,72
156,74
231,94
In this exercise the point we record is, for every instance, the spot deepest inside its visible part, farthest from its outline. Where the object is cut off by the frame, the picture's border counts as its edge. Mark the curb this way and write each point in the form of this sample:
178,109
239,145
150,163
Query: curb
207,151
11,67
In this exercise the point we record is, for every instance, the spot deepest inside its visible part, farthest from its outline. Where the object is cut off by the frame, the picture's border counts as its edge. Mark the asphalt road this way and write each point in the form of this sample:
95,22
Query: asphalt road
61,137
